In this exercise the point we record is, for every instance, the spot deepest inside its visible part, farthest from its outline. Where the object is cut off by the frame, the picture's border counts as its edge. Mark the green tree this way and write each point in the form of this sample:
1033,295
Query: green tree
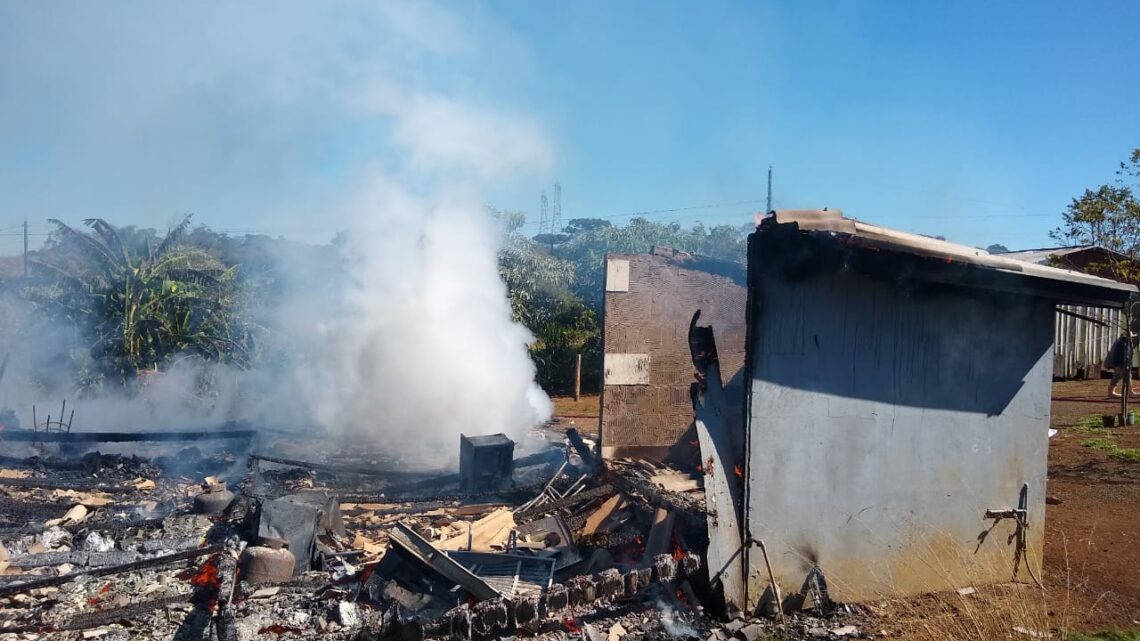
1109,217
534,278
578,225
136,308
571,329
587,249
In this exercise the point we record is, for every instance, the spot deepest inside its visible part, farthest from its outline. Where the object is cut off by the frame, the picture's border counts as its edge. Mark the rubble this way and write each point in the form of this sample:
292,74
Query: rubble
236,544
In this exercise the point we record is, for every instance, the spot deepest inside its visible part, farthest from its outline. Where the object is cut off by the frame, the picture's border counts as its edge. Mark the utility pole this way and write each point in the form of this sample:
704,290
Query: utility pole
768,207
25,250
556,215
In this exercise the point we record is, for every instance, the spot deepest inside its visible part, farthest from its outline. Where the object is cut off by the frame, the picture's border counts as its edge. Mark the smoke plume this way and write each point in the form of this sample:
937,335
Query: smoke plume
373,120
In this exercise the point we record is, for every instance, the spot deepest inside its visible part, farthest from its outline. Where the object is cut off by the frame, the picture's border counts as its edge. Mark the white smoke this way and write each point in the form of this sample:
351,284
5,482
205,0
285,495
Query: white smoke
418,345
424,347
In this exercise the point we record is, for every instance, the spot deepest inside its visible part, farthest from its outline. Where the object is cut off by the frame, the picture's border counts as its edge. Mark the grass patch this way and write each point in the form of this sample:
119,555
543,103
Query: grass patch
1091,424
1114,451
1128,454
1105,444
1110,635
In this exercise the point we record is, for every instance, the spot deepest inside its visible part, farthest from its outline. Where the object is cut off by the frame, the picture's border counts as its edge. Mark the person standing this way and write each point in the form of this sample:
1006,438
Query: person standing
1120,360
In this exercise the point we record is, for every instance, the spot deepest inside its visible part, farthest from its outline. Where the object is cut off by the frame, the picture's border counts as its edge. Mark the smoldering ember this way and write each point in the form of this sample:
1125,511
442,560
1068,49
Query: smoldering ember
735,490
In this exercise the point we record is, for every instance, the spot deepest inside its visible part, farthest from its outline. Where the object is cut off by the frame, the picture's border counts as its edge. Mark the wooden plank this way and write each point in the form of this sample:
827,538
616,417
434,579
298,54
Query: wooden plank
599,516
486,533
676,482
660,536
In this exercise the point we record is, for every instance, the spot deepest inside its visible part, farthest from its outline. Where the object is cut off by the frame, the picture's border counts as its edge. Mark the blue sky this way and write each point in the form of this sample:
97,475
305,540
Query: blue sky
973,120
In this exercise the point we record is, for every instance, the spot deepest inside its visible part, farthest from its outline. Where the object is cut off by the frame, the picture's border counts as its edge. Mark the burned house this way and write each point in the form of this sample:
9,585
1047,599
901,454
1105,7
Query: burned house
649,301
896,410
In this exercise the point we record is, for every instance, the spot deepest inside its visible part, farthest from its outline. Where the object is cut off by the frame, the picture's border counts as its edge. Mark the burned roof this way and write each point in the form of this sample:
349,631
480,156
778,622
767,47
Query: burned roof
799,239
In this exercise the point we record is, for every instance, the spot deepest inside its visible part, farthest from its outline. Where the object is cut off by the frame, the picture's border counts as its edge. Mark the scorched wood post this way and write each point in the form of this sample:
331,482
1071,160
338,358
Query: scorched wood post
578,379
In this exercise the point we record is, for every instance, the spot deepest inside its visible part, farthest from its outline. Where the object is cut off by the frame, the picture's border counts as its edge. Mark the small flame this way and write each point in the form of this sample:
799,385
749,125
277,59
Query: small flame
93,601
571,625
208,576
738,471
279,629
678,553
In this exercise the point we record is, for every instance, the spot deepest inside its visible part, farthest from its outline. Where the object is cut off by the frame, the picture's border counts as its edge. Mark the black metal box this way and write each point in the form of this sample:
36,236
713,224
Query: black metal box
486,462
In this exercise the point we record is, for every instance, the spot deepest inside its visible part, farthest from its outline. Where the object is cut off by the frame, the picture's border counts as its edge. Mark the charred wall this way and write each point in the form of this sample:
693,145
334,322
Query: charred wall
647,368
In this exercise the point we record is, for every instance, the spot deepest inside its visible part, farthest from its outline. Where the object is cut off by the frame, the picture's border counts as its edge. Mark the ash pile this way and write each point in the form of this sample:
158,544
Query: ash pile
237,539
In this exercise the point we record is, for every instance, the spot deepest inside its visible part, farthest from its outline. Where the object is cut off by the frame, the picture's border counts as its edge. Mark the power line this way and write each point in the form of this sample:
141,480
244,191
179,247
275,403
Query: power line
670,211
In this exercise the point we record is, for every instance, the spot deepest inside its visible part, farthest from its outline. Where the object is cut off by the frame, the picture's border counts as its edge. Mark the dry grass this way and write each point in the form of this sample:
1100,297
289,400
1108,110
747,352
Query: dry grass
1020,611
588,406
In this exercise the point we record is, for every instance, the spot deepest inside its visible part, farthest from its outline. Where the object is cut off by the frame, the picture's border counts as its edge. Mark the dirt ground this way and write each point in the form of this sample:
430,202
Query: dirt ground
582,415
1092,537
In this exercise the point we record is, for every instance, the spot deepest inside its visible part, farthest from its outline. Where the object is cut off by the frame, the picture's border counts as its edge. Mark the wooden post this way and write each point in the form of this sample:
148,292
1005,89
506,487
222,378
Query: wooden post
1127,383
578,380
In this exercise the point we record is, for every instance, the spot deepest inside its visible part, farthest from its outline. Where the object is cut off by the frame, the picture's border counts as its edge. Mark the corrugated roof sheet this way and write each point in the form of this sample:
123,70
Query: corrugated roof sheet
1042,256
835,222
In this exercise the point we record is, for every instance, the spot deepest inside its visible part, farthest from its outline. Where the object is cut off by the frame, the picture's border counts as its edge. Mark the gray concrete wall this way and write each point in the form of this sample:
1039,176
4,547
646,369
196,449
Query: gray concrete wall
881,428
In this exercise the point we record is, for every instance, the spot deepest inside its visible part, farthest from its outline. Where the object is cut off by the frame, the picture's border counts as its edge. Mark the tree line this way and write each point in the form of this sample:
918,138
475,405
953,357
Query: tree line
122,302
555,283
134,301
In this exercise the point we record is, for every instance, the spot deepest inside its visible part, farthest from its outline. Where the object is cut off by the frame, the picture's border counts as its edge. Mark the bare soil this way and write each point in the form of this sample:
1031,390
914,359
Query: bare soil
1092,537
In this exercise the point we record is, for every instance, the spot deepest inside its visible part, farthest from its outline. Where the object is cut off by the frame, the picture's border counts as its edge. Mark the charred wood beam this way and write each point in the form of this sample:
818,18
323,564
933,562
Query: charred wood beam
15,511
13,529
337,469
45,484
654,498
121,526
29,436
584,452
102,617
537,511
442,500
379,471
539,458
143,564
225,623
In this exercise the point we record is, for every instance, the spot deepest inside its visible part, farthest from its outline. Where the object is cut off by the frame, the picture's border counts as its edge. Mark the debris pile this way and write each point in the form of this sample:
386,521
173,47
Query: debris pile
239,540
